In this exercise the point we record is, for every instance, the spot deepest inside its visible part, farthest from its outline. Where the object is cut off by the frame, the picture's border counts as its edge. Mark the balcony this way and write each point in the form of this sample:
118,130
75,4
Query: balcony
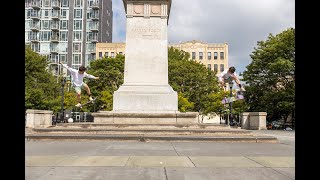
55,16
94,28
35,16
54,50
91,50
55,27
35,4
34,27
94,39
54,39
94,5
95,17
34,39
56,5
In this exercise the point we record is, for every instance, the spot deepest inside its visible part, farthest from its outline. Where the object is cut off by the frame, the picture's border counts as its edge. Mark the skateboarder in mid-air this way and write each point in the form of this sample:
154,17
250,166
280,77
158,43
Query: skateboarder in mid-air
227,76
77,81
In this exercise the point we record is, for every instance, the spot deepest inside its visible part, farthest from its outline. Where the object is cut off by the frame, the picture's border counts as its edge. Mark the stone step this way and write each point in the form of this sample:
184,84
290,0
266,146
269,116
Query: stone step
143,131
151,138
144,126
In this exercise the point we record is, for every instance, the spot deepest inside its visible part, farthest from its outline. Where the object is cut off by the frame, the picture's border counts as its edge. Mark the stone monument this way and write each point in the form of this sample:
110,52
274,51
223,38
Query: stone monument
146,96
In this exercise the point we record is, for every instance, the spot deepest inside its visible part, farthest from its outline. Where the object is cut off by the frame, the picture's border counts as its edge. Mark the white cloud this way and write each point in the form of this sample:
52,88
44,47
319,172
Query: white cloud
240,23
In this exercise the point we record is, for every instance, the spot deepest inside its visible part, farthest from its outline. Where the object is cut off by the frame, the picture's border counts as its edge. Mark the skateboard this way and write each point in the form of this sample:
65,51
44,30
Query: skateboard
88,102
238,96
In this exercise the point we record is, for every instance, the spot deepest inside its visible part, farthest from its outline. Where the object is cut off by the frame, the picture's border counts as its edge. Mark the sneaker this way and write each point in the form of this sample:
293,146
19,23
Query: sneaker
78,105
90,98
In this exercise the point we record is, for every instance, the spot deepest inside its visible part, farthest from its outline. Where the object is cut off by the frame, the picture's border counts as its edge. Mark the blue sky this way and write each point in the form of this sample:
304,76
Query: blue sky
240,23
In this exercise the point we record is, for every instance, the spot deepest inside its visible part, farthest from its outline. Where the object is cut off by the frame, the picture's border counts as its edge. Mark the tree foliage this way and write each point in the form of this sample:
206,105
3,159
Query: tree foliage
41,88
271,76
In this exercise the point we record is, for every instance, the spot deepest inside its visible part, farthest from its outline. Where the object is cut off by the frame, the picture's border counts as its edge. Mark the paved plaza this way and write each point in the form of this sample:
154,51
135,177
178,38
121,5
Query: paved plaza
68,160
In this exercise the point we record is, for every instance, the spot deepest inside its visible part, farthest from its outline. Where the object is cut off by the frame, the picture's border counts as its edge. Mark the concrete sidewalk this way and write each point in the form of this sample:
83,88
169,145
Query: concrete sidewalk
67,160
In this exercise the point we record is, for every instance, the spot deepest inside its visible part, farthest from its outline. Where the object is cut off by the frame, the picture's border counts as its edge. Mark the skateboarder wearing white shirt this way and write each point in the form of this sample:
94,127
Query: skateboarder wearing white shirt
77,81
229,75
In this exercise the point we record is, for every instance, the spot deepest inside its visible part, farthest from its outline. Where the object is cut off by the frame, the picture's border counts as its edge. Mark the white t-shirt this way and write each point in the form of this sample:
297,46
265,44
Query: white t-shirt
76,77
225,75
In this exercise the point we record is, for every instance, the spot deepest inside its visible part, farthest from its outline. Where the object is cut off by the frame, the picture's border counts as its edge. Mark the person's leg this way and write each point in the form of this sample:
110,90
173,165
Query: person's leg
78,91
87,89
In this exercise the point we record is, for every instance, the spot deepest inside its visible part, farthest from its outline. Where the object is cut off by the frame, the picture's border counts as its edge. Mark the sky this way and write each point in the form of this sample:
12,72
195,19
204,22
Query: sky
240,23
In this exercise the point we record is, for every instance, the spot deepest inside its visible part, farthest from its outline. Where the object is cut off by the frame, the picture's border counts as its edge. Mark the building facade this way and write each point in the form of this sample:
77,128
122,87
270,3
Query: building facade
67,30
213,56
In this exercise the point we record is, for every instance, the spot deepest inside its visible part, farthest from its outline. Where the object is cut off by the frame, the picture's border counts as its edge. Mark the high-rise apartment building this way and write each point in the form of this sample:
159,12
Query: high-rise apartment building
67,30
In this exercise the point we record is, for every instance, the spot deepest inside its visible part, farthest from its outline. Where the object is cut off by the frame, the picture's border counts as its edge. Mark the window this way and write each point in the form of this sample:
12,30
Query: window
209,55
75,66
106,54
221,67
209,67
64,13
45,24
78,3
76,59
200,55
45,35
221,55
77,25
46,3
193,55
63,35
64,24
35,47
78,13
65,3
46,13
77,35
215,67
63,58
120,53
100,54
215,55
112,54
77,47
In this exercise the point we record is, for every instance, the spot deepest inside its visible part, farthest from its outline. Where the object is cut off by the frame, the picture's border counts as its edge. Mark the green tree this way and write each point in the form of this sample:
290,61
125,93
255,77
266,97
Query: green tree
271,76
192,79
41,88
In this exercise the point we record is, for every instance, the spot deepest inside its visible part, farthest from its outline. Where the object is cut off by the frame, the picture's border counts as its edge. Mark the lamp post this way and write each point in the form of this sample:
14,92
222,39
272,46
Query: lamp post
230,103
63,82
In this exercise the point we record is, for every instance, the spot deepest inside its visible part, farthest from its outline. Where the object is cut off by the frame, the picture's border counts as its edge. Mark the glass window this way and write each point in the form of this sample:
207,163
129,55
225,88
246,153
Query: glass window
77,25
78,13
45,24
193,55
78,3
106,54
221,67
45,35
100,54
65,3
221,55
46,13
64,24
63,35
215,67
63,58
76,59
64,13
209,67
112,54
46,3
209,55
120,53
200,55
77,47
215,55
77,35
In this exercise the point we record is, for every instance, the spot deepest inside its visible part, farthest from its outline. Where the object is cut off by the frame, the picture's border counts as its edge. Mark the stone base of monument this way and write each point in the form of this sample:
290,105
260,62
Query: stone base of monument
114,117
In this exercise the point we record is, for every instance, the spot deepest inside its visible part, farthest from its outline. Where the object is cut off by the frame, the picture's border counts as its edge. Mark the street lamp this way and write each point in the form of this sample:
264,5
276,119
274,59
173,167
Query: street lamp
230,103
63,82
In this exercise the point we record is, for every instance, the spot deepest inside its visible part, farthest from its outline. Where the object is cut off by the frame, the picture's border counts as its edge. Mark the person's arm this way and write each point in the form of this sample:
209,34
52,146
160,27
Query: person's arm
66,66
90,76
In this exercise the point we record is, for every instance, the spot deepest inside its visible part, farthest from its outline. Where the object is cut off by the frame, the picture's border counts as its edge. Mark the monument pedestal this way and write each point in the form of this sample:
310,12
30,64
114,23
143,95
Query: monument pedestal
146,96
156,117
